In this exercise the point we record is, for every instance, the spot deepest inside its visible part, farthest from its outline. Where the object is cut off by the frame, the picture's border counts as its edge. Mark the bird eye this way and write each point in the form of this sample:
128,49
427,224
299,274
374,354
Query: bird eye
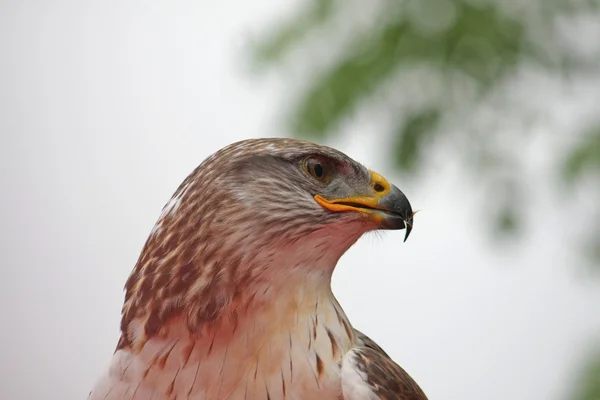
316,169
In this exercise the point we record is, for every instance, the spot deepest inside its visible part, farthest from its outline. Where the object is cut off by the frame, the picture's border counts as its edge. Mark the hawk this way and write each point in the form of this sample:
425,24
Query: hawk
231,295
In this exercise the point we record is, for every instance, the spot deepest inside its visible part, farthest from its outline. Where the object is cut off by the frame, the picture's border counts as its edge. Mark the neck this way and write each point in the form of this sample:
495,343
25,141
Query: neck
208,283
284,341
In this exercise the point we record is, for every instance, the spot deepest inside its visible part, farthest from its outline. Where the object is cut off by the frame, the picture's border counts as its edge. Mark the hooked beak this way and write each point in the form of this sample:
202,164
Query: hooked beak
388,207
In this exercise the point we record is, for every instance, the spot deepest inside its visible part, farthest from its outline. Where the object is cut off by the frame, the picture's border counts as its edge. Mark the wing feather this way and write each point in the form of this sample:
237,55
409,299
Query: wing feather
368,373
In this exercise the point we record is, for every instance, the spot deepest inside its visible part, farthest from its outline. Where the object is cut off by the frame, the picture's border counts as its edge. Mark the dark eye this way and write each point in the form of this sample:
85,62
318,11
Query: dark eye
316,169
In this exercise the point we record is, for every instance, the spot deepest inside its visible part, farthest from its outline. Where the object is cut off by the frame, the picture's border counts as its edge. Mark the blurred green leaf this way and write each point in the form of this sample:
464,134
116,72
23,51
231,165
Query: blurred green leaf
412,135
482,44
289,34
588,387
507,220
593,250
584,157
356,75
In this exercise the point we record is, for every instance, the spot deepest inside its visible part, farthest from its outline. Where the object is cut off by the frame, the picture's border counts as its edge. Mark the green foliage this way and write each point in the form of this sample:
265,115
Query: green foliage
583,161
585,157
414,132
507,220
588,387
482,43
288,35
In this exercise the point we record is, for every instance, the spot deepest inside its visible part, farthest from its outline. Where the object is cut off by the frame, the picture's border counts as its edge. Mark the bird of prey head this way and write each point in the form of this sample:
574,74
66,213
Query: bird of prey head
231,297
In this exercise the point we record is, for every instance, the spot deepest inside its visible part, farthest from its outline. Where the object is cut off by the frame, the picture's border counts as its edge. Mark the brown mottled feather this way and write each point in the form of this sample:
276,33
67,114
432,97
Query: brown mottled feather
386,379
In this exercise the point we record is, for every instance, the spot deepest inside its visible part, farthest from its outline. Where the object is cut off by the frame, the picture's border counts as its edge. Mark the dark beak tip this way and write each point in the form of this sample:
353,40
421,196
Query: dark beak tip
408,227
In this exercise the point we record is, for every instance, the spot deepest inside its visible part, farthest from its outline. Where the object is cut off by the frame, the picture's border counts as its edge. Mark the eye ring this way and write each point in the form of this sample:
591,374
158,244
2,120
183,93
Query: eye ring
316,169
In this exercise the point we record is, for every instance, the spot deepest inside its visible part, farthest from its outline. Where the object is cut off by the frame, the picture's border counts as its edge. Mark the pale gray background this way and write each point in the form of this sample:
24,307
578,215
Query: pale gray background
105,106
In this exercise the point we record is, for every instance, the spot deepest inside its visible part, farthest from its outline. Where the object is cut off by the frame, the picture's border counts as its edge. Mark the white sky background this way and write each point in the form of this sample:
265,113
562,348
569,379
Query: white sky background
105,107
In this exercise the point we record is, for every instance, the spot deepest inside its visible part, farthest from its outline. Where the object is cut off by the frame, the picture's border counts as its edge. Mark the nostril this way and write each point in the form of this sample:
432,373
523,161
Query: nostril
378,187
